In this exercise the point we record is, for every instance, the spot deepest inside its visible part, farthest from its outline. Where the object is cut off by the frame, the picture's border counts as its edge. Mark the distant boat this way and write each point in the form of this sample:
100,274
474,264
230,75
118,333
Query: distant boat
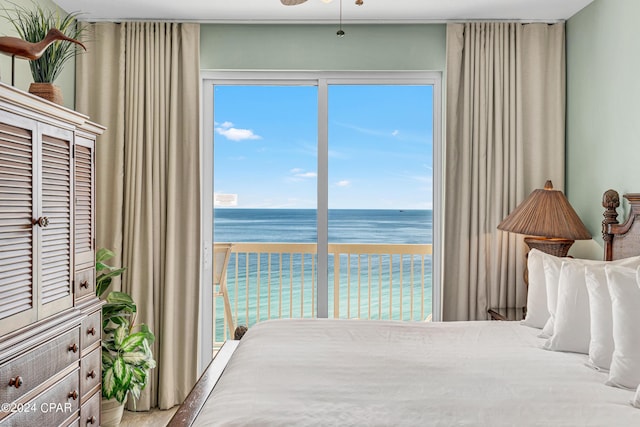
401,210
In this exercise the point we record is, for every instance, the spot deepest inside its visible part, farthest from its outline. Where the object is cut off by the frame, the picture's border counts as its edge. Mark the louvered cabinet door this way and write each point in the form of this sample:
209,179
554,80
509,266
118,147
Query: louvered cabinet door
56,238
18,298
84,203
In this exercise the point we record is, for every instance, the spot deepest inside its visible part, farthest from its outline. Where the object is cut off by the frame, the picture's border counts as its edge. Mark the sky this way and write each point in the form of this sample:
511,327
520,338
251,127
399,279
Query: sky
380,146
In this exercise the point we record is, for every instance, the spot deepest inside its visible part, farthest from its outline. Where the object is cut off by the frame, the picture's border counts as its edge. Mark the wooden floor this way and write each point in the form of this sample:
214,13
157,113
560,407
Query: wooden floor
153,418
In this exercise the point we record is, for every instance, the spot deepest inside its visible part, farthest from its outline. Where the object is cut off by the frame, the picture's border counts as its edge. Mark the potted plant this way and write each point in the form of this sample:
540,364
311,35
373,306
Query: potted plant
33,25
126,347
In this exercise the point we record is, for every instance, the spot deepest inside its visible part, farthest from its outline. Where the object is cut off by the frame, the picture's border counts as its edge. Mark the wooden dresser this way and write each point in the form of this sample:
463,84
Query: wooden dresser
50,318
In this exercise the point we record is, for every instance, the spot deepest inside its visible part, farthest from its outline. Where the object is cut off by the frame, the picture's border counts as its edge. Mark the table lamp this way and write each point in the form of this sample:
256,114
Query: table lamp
548,220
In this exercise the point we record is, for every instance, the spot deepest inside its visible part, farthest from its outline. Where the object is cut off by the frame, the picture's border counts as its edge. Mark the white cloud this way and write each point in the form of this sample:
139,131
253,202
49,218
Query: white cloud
395,132
343,183
227,130
299,174
306,175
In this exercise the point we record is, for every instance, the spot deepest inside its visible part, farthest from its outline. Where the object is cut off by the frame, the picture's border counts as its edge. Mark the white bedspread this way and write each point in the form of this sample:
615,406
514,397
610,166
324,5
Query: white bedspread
382,373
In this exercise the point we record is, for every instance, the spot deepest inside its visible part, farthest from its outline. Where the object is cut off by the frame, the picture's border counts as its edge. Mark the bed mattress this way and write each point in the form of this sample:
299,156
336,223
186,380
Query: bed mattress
323,372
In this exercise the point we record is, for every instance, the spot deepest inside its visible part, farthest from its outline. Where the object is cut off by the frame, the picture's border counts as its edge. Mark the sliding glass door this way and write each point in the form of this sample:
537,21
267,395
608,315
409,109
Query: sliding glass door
380,200
264,184
320,187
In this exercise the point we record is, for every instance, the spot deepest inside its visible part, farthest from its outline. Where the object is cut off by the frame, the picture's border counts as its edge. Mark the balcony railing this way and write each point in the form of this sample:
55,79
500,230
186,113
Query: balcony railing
278,280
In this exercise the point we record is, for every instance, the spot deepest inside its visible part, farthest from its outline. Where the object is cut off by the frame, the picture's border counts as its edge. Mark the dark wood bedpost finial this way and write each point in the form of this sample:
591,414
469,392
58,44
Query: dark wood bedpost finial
610,202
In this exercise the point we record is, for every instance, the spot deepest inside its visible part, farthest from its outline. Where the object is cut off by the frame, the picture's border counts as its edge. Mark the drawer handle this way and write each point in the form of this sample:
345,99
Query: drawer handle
91,420
15,382
73,394
74,348
91,374
84,284
91,331
43,222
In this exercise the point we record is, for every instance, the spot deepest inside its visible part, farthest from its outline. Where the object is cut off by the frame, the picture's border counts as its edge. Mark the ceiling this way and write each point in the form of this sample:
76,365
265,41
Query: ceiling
324,11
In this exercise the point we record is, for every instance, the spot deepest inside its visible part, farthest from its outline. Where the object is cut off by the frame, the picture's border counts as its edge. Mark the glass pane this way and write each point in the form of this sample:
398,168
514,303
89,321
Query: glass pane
265,186
380,201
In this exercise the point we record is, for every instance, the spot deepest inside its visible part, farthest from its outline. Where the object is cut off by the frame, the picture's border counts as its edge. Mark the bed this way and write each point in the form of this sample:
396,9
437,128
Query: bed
351,372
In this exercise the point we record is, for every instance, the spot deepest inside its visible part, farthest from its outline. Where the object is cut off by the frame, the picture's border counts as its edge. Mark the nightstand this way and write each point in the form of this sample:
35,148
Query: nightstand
507,313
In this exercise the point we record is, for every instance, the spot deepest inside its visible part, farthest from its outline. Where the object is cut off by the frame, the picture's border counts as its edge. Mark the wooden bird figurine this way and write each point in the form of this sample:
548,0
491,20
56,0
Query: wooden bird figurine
14,46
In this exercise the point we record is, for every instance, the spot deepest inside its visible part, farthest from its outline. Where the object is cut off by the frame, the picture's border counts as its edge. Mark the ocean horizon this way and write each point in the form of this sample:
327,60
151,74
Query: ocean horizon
401,226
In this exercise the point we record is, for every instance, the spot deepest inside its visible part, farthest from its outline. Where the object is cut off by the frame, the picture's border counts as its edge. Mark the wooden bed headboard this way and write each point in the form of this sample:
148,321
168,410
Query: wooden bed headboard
620,240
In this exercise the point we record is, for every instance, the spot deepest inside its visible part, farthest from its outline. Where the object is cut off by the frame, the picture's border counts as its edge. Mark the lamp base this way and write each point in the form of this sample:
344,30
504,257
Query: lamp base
555,247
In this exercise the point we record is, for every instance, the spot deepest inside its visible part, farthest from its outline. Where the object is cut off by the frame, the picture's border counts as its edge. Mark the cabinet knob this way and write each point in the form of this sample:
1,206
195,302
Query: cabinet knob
15,382
91,331
84,284
91,420
43,222
91,374
74,348
73,394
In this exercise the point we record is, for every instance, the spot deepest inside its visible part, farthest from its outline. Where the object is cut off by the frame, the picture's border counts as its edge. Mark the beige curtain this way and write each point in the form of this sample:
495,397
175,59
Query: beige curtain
141,80
505,126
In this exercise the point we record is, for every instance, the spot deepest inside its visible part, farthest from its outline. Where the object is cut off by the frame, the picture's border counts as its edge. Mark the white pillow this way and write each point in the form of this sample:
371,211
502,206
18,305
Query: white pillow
552,267
601,344
636,399
571,323
537,312
625,301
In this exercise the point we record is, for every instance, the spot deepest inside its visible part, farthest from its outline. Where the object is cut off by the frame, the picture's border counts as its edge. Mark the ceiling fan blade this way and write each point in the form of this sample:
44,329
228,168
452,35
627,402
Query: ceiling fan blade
292,2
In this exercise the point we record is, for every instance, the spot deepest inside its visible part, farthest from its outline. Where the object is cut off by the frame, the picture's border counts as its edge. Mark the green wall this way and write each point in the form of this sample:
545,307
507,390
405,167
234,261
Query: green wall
23,79
603,109
316,47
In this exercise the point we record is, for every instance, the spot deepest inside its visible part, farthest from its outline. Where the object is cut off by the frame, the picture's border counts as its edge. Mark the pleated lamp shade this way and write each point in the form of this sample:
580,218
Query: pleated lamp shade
546,213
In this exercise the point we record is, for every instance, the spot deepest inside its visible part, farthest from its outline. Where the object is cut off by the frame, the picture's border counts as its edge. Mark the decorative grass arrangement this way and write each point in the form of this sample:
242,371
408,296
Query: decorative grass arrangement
32,24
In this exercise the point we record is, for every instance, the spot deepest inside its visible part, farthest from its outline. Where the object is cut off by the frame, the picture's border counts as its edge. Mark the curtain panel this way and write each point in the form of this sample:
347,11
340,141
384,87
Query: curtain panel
505,131
141,80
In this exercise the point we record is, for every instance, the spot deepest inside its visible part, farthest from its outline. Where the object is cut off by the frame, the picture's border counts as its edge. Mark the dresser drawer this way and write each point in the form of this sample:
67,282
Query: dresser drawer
90,373
29,370
50,408
91,329
90,411
85,283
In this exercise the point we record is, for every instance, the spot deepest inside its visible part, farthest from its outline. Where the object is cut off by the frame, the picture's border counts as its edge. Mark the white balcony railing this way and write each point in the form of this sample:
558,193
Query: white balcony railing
278,280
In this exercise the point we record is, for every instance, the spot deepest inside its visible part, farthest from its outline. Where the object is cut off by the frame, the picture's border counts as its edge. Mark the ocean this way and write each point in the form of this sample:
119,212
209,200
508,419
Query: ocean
345,225
374,294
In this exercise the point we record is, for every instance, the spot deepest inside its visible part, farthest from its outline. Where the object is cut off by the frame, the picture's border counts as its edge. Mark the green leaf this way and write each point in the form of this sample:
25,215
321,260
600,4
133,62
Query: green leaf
104,254
119,336
135,392
134,358
119,369
133,341
140,375
150,337
112,273
122,374
107,358
108,383
121,395
116,297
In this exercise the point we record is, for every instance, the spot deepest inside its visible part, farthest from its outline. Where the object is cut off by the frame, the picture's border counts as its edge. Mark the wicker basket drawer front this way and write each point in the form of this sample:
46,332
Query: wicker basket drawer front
90,411
91,329
90,374
27,371
50,408
85,283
